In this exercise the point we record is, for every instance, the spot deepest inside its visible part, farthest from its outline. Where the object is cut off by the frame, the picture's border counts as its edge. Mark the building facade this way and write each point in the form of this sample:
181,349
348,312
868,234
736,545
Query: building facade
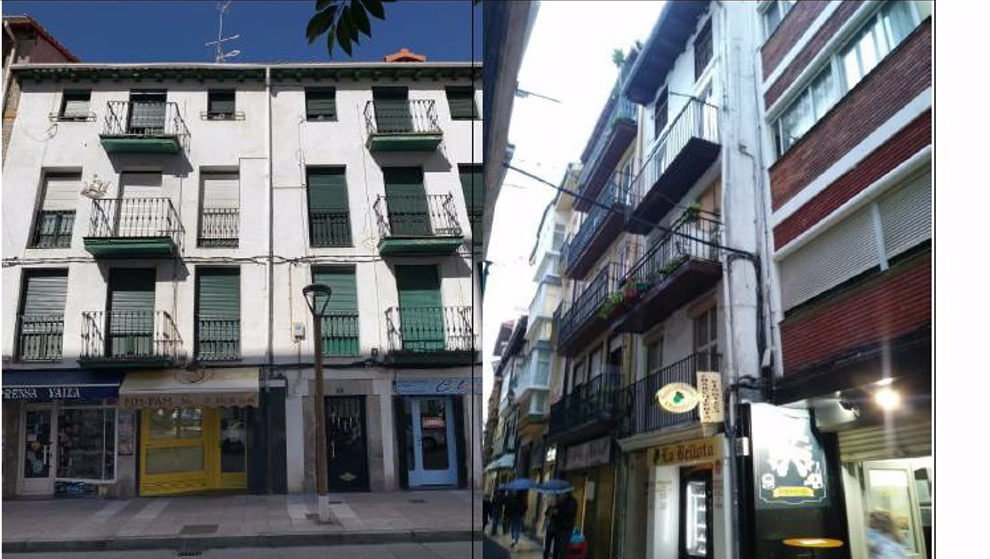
160,235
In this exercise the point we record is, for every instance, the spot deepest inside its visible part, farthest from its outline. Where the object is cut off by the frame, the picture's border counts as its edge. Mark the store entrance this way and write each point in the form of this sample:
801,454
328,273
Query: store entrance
902,488
36,476
431,445
696,513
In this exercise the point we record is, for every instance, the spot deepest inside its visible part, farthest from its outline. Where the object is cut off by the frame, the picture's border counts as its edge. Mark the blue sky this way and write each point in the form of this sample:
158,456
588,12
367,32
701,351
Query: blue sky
142,31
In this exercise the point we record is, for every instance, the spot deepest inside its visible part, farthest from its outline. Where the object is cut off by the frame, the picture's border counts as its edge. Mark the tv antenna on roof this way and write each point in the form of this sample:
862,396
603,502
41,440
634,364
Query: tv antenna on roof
220,55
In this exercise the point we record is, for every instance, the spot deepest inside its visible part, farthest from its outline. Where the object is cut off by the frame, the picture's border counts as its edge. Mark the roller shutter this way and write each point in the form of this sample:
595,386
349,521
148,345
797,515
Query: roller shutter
61,192
218,313
328,209
44,292
906,214
420,308
132,311
408,210
340,328
221,190
877,443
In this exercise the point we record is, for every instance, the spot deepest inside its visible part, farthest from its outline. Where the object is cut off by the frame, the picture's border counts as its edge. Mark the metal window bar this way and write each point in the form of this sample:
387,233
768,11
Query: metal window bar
401,116
129,335
145,119
696,119
341,334
430,329
53,229
39,337
672,250
415,216
329,229
590,300
218,338
624,109
643,415
615,195
219,227
135,218
596,399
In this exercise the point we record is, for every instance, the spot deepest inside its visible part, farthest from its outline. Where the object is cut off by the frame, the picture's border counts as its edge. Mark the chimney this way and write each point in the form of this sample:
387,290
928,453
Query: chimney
405,55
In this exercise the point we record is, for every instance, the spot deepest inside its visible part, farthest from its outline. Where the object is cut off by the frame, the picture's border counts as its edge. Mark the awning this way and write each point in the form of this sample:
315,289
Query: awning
177,388
60,384
506,461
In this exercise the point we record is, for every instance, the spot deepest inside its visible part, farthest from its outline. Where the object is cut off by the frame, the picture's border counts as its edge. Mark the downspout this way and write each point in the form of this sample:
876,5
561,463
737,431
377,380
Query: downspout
271,277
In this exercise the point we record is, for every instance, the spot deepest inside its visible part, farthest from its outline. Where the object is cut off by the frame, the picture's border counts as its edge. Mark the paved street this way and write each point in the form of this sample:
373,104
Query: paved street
443,550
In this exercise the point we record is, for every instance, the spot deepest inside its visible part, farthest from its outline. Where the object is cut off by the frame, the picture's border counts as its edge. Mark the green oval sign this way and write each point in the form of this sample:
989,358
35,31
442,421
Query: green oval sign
678,397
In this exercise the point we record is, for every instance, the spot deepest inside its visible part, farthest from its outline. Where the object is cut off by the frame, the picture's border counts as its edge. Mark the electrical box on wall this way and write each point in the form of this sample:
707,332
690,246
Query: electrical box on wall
298,331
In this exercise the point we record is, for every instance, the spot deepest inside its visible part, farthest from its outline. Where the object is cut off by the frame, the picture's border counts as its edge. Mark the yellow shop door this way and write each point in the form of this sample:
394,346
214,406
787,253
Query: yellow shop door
191,450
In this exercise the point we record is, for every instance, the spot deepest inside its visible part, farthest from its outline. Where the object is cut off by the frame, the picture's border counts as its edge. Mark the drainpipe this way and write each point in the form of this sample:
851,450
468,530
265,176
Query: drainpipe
271,277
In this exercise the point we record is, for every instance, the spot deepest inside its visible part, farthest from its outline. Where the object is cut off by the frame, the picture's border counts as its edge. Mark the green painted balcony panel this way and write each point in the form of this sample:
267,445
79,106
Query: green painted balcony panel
144,127
418,225
129,339
402,125
134,228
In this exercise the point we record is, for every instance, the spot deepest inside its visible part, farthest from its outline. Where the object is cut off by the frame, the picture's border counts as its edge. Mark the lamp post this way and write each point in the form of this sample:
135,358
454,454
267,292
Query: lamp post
318,299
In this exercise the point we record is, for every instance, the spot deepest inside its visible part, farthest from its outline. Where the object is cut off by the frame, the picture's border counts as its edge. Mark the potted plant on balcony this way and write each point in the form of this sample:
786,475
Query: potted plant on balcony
611,305
692,213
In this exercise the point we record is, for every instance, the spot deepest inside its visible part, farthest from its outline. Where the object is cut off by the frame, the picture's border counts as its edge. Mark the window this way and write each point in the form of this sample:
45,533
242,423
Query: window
774,14
321,103
53,222
219,218
220,104
883,32
218,314
39,325
75,105
595,364
461,102
87,443
660,113
329,216
340,326
473,184
807,109
703,49
654,355
706,339
577,375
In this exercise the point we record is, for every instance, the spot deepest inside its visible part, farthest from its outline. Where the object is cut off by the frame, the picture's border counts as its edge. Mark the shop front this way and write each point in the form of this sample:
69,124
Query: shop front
588,467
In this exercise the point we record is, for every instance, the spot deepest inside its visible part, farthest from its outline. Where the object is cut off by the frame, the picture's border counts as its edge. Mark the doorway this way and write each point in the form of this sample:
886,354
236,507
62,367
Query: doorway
392,113
347,443
431,445
36,476
696,513
903,489
147,114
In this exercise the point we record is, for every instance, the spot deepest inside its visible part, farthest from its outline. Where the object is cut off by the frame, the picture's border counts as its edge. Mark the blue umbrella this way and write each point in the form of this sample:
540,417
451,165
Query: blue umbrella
554,486
518,484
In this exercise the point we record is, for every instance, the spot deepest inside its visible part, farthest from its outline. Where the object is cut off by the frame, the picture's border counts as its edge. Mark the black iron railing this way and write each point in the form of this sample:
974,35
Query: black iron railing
430,329
218,338
329,228
219,227
39,337
143,218
587,304
598,399
129,336
623,109
696,120
643,413
53,229
145,119
699,239
341,334
432,215
614,197
401,116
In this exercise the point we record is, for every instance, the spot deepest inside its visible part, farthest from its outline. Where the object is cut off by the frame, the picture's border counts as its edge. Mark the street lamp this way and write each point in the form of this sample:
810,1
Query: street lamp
317,297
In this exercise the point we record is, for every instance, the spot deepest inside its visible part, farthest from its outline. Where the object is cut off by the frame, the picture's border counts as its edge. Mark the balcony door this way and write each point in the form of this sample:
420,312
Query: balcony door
405,195
420,308
141,212
392,109
130,323
147,114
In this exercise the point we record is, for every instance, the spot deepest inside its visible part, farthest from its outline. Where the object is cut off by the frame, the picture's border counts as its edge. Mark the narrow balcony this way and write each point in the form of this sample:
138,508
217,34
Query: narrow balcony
341,334
134,228
431,336
685,151
219,227
329,228
589,410
679,267
402,125
582,321
418,224
218,338
644,415
129,339
601,226
144,127
615,130
39,338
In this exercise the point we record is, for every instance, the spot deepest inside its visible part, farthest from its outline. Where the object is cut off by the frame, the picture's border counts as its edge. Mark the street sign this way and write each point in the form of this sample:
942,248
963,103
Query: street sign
710,408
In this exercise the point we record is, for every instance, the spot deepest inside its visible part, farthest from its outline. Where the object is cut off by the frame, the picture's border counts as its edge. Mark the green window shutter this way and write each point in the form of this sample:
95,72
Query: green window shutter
473,184
39,335
392,109
131,324
405,195
44,292
340,328
220,102
321,104
218,313
420,308
329,220
461,102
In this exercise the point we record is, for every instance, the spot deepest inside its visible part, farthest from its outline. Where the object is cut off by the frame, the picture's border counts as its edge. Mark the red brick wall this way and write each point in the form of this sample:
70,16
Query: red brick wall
783,39
812,48
871,168
886,306
901,76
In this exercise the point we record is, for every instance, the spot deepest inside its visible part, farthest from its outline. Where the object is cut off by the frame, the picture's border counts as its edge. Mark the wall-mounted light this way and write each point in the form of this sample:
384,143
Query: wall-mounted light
887,398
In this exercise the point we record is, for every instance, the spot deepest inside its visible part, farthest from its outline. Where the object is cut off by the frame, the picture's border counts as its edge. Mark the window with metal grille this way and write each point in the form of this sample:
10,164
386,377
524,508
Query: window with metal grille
321,103
53,222
220,104
340,328
461,102
703,49
660,113
218,314
219,218
39,324
473,185
75,105
329,216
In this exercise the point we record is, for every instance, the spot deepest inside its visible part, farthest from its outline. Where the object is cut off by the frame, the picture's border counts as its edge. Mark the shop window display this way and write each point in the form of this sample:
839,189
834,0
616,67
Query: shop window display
86,443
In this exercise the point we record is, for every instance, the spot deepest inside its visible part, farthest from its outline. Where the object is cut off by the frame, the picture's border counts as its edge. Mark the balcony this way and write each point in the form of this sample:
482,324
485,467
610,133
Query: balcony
418,225
582,322
329,229
340,331
644,415
39,338
601,226
134,228
615,130
589,410
402,125
144,127
218,339
219,227
685,151
430,336
679,267
129,339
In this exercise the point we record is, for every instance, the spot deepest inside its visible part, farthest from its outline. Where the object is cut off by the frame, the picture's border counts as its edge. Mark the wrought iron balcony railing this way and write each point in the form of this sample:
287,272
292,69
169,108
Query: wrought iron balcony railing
219,227
432,215
39,337
610,203
643,414
135,218
587,304
596,400
622,109
145,119
430,329
129,336
329,229
401,116
218,338
699,239
341,334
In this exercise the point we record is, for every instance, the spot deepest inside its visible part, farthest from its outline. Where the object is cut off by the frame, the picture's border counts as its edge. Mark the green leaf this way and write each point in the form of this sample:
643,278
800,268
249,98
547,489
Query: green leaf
343,32
330,42
361,18
321,4
374,7
319,23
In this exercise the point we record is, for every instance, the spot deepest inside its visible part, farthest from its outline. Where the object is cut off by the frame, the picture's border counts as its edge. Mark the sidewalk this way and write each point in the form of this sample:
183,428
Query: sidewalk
527,548
201,522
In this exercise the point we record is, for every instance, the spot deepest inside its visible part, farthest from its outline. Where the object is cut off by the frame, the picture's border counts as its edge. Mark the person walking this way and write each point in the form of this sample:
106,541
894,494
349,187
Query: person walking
516,512
884,538
550,527
486,511
497,502
566,516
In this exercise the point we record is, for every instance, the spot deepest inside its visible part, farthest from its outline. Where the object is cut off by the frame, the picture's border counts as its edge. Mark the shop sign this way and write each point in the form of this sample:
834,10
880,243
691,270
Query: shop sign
710,388
59,392
677,397
689,452
434,386
789,461
589,454
191,400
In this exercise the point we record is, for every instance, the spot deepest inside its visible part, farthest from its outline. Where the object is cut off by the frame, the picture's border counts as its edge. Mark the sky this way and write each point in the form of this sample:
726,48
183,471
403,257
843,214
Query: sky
568,58
176,31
